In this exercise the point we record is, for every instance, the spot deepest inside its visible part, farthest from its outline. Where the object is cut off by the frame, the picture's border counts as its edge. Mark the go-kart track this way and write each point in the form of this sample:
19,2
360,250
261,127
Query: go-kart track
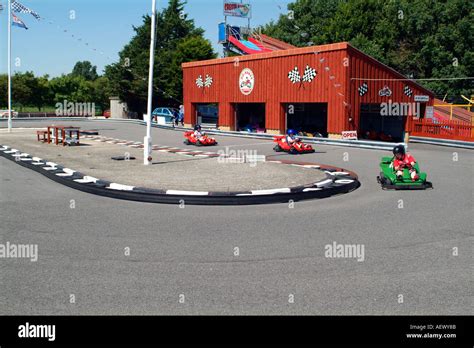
243,259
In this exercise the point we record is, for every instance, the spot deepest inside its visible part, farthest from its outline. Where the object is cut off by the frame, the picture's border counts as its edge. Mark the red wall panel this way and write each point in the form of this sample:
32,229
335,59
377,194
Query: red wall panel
273,87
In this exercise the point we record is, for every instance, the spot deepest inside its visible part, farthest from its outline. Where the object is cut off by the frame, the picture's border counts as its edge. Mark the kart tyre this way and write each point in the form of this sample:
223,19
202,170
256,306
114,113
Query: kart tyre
385,180
198,143
277,148
293,151
187,142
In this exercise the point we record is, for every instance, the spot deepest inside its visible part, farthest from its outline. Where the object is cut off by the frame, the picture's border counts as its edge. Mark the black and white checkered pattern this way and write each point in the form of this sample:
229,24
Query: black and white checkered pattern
363,89
309,74
408,91
294,75
19,8
208,81
199,82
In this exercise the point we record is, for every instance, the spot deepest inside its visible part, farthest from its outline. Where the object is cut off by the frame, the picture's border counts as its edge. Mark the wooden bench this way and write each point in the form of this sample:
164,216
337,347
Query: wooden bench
43,134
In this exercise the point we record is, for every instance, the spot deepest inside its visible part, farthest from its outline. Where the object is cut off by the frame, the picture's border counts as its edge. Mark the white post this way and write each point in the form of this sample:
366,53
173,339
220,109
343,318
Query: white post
147,140
9,66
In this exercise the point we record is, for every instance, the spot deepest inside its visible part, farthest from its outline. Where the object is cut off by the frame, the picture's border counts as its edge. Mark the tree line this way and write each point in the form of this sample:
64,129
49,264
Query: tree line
82,85
419,38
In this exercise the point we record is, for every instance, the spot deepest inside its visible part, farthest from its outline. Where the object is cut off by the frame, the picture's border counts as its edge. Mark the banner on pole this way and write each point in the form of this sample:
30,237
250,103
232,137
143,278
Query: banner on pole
237,9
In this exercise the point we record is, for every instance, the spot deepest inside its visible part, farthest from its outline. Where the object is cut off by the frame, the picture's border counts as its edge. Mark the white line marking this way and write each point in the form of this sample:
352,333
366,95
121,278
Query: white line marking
344,181
322,183
115,186
271,191
312,189
86,179
188,193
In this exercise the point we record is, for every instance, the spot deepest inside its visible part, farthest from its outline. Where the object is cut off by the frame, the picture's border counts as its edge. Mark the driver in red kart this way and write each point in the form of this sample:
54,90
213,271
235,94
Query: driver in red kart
291,137
403,160
197,132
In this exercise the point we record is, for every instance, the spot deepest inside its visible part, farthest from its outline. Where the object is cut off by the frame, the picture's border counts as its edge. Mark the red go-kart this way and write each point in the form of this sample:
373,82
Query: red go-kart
298,147
203,141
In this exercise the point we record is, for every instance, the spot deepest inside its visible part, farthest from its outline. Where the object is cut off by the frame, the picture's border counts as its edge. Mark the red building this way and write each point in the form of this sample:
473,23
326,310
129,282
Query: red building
326,89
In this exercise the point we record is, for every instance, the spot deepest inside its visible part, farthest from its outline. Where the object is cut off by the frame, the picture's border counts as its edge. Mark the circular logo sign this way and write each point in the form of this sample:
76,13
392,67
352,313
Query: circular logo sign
246,81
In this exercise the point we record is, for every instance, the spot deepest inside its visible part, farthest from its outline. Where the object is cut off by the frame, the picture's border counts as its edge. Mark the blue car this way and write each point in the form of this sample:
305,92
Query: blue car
165,113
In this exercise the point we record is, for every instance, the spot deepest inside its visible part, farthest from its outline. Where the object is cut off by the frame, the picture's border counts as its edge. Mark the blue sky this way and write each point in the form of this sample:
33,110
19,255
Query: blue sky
48,47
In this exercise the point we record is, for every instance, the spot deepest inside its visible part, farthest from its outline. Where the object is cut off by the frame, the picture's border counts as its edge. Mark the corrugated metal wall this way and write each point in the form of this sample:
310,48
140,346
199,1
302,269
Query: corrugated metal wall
335,64
364,68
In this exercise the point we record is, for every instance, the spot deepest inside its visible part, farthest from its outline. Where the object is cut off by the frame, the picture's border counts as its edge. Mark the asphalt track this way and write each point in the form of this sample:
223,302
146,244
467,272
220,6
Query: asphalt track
190,251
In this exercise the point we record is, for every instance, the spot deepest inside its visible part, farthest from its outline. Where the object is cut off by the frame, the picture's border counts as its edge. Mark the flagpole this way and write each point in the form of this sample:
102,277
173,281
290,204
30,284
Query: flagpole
147,140
9,67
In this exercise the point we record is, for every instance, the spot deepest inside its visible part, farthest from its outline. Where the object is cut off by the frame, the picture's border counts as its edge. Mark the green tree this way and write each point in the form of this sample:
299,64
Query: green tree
66,87
3,91
177,41
86,70
24,86
419,38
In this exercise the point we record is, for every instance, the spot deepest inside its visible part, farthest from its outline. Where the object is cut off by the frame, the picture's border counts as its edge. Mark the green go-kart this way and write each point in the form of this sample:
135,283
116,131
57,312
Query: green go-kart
389,181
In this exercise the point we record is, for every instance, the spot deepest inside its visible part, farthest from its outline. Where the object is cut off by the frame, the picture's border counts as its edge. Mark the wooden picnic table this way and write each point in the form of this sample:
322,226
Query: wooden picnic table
63,129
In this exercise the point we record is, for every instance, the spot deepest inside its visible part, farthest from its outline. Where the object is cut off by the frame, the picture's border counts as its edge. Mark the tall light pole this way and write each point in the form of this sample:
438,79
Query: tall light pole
147,140
9,66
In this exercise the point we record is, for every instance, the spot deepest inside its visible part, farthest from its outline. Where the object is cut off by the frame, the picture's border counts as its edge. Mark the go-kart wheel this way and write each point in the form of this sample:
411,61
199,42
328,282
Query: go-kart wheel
384,180
277,148
186,142
293,151
198,143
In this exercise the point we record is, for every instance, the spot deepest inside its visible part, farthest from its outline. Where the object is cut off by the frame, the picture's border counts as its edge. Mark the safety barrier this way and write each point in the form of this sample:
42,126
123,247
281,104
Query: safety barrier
451,130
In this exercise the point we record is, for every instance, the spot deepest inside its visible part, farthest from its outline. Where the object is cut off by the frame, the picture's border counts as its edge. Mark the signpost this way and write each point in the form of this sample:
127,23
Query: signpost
237,9
422,98
9,66
147,139
349,135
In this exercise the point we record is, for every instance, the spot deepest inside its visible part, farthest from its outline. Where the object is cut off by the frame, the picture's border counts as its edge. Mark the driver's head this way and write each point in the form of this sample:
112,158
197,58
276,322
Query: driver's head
197,127
291,132
399,152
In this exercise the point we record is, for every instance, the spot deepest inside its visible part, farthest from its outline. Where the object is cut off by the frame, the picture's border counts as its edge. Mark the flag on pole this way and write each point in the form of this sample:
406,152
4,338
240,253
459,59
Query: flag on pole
19,8
18,22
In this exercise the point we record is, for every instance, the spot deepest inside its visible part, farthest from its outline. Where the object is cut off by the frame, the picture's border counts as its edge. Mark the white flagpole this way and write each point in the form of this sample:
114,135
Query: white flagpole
9,67
147,140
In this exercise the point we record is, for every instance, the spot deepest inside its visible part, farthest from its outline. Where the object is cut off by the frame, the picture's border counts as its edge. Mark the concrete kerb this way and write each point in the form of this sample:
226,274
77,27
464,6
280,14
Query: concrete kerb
337,181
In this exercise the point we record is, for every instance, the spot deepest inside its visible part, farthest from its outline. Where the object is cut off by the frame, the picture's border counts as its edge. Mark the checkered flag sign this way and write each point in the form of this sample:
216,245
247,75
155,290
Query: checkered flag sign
199,82
208,81
363,89
294,75
19,8
408,92
309,74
